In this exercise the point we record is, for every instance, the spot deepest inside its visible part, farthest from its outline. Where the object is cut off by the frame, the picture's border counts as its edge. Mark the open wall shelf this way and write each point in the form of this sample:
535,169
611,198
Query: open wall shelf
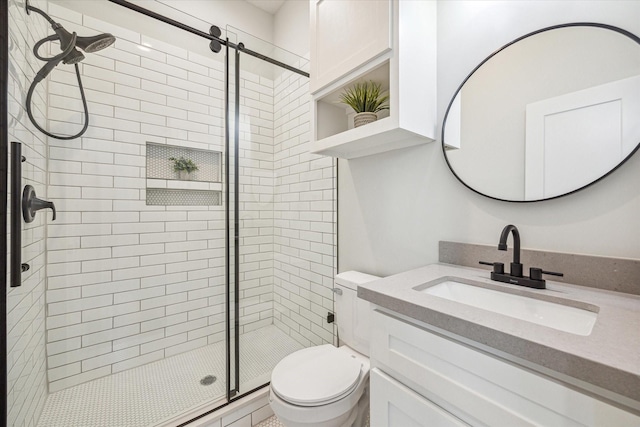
334,117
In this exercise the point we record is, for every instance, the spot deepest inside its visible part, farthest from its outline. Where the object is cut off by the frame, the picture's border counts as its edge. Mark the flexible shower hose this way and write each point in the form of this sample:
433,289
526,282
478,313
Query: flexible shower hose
32,88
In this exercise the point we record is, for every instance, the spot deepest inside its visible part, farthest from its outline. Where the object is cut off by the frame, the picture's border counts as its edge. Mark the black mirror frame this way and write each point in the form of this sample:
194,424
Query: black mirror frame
554,27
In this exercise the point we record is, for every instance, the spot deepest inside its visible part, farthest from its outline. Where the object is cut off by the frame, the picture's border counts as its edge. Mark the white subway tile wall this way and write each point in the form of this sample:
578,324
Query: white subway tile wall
26,355
129,283
304,220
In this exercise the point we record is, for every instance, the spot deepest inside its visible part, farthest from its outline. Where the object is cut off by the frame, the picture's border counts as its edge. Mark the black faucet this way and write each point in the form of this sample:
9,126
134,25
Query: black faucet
516,267
515,274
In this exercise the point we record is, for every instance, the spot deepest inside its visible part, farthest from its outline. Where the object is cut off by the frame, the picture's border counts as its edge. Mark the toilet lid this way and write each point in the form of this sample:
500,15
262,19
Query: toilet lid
316,375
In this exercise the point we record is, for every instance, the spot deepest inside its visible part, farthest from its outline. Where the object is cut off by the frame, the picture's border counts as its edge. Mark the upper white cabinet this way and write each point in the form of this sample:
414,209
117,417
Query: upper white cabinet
392,43
346,34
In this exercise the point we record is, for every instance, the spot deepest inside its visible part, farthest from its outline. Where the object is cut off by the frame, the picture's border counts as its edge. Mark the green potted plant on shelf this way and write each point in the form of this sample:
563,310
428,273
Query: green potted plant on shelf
366,99
184,167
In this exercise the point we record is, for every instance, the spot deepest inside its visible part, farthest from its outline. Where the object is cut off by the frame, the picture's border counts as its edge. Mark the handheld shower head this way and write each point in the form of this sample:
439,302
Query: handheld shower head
95,43
67,39
73,57
89,44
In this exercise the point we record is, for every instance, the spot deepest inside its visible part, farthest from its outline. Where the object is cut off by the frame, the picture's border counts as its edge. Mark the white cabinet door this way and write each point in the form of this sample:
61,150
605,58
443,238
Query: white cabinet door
478,388
346,34
394,405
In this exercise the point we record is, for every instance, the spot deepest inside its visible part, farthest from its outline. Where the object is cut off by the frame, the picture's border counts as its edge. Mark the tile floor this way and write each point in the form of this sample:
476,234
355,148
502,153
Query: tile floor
149,394
272,421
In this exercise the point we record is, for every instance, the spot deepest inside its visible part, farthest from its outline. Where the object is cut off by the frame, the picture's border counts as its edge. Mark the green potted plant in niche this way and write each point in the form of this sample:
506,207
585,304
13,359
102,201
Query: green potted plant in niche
366,99
184,167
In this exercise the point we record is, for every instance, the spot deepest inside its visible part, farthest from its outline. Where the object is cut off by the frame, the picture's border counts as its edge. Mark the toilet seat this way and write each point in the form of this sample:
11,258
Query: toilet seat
316,376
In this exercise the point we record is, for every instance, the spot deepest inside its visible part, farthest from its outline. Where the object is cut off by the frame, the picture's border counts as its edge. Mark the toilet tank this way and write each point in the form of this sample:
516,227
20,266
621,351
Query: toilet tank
353,314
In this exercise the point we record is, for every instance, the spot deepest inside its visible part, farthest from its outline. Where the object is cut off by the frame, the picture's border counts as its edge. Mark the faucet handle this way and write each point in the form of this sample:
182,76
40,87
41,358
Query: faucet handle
536,273
498,267
31,204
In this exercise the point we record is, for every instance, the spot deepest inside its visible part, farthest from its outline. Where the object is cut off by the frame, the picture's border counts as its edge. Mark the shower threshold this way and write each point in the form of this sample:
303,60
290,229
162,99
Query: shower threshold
152,394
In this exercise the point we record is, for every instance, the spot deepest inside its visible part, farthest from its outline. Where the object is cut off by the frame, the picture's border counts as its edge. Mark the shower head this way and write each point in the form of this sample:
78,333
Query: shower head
95,43
89,44
73,57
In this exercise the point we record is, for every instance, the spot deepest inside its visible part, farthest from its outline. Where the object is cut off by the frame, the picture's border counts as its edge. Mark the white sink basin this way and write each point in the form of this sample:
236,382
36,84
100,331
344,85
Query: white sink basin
562,317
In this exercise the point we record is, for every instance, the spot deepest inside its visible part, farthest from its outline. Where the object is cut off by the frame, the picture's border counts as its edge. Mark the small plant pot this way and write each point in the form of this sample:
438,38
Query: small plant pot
362,119
184,175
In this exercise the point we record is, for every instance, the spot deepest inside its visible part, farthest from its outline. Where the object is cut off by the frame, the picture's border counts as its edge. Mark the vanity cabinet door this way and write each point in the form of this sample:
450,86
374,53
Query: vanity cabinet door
479,388
345,34
394,405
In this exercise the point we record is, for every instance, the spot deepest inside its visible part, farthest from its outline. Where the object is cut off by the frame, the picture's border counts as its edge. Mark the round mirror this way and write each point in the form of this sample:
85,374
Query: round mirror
548,114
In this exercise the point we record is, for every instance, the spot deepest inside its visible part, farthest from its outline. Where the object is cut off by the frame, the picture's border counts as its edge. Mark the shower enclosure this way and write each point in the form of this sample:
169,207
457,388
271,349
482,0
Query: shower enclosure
158,295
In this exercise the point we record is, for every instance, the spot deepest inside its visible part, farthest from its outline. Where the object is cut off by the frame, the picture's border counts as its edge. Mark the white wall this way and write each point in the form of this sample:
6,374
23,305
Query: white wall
291,27
395,207
304,219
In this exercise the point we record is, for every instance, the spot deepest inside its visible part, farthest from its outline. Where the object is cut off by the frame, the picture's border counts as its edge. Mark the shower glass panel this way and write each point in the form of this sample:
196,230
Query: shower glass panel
286,208
121,318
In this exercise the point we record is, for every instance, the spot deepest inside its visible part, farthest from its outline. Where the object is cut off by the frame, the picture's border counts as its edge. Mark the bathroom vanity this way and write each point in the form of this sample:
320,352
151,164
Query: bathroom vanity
440,359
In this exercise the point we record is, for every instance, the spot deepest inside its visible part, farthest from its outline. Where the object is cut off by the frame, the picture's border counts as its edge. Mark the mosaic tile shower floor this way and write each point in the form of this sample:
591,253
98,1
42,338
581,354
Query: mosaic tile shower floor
149,394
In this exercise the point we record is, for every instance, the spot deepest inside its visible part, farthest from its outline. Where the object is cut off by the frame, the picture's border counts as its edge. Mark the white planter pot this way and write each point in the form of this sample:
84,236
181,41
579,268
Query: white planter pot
184,175
361,119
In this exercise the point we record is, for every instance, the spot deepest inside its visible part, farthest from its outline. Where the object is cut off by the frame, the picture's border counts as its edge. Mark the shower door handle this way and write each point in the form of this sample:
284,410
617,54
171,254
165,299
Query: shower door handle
31,204
17,267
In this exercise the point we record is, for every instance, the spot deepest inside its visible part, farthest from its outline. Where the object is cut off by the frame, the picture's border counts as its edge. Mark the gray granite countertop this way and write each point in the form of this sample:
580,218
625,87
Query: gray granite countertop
608,358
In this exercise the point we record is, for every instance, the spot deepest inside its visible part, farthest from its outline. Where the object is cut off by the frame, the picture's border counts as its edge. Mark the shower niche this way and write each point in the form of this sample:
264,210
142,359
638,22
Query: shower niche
183,176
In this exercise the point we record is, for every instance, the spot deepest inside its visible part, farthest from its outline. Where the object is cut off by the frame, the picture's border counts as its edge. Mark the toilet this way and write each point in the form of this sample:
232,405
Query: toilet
328,386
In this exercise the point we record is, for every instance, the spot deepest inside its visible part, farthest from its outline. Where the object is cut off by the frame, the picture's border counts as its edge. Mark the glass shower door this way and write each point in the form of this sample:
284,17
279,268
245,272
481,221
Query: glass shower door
285,213
120,319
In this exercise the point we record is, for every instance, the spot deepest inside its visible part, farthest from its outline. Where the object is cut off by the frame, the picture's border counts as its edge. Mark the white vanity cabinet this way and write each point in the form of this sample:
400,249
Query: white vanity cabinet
421,378
389,42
